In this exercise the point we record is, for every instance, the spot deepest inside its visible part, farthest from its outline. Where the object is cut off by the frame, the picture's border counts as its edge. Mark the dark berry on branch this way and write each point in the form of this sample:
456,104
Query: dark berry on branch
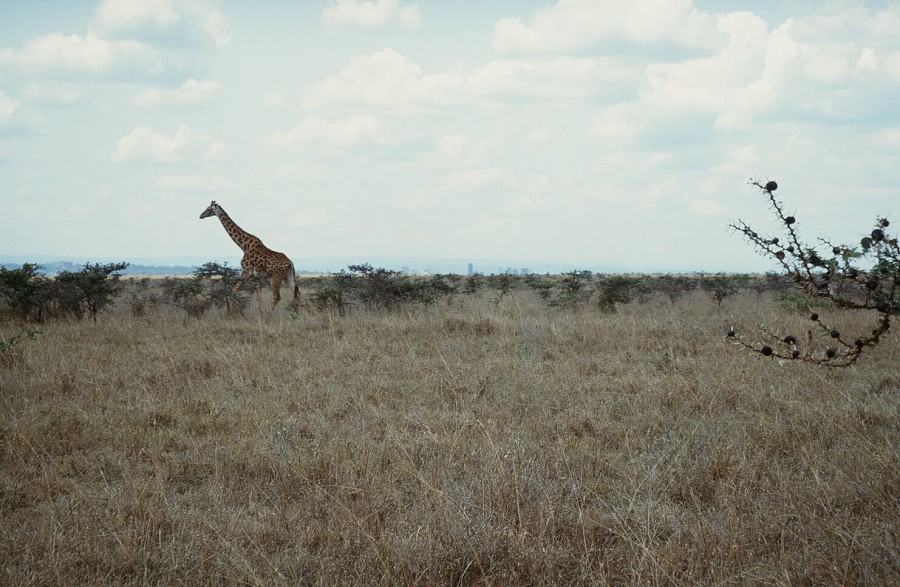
836,250
790,249
885,223
795,353
775,241
858,343
814,317
790,220
830,353
789,339
877,235
835,334
779,255
771,186
766,351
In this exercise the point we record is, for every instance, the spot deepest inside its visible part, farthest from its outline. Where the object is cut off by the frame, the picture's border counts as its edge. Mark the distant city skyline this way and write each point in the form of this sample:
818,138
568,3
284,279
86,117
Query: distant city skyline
574,134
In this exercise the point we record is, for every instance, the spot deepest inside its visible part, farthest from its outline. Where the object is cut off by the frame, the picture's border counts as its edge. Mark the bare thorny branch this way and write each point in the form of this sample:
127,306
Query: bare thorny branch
864,278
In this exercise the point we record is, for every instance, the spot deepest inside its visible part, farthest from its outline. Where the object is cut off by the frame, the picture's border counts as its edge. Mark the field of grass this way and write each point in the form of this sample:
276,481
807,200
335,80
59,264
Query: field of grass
479,440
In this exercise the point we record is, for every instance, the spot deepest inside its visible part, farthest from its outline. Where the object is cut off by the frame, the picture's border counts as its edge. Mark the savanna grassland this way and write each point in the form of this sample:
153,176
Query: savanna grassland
480,439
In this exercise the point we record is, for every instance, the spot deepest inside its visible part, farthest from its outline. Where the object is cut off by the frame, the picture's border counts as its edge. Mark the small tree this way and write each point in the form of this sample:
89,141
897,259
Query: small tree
91,289
863,278
222,279
572,289
187,294
21,291
334,293
616,289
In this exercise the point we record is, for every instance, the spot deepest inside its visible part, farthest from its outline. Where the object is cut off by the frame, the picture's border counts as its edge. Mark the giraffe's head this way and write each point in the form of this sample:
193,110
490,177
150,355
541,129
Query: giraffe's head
212,210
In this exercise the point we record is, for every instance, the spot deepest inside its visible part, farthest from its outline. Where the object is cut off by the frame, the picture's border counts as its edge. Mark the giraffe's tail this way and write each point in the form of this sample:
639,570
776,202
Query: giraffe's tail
296,285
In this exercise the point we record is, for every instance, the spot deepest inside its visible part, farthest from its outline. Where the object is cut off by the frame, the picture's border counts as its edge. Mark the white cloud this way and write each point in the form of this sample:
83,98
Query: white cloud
60,94
887,139
7,106
273,99
369,14
90,55
342,133
575,24
472,179
134,17
143,145
189,93
192,183
121,15
384,78
755,75
389,80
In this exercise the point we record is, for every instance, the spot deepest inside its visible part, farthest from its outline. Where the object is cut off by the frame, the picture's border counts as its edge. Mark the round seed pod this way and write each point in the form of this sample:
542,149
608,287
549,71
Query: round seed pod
790,220
779,255
830,353
771,186
877,235
789,339
775,241
766,350
795,353
814,317
884,222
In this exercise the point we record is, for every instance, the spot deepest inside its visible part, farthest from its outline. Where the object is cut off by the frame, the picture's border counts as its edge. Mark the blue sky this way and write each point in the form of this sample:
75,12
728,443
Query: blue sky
590,133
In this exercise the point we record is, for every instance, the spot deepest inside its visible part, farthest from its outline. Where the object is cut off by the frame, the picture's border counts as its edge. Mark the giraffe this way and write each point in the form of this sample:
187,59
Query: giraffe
259,261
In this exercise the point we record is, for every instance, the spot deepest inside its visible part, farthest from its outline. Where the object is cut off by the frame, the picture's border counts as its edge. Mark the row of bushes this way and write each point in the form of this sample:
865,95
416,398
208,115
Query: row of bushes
29,296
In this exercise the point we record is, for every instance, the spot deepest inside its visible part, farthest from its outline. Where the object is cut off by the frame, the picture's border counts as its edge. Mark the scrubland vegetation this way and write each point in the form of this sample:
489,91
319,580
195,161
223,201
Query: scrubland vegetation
550,430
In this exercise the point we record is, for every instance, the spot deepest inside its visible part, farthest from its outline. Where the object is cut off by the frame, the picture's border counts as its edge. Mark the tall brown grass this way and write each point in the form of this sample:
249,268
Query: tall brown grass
472,442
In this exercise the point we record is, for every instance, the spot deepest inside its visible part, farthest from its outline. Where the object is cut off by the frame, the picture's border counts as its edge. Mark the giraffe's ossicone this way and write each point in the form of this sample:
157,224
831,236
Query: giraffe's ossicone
259,260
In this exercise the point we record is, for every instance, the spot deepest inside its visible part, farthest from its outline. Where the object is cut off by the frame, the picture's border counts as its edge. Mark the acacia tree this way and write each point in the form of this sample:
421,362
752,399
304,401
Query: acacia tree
91,289
863,278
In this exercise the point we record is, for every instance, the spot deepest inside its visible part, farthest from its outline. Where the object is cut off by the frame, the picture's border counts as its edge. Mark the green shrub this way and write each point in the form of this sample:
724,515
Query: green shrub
21,292
28,295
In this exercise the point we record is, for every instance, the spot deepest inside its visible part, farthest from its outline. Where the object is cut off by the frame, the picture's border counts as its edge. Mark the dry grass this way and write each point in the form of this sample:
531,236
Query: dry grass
467,443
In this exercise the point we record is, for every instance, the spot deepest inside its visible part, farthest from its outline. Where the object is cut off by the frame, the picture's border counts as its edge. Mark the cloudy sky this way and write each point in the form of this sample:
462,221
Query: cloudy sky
588,132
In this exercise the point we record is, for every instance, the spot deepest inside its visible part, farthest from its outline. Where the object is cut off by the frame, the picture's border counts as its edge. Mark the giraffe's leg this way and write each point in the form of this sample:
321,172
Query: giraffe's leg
237,286
276,290
245,271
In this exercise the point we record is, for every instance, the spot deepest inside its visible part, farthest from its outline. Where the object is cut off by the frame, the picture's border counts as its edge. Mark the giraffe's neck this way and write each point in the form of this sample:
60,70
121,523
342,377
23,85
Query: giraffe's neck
241,238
